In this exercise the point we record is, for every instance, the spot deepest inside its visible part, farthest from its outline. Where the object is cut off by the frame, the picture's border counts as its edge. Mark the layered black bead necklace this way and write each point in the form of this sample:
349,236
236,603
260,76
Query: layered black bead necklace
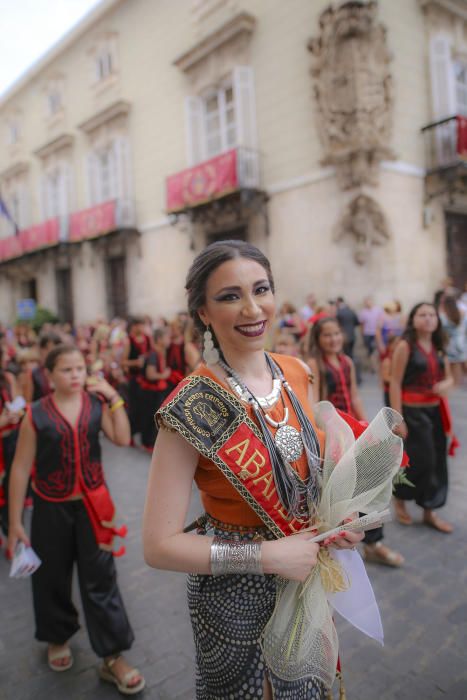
299,497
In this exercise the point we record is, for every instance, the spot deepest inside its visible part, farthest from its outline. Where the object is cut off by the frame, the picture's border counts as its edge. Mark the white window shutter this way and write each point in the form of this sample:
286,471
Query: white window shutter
123,169
443,89
245,108
43,196
194,126
62,190
23,196
93,179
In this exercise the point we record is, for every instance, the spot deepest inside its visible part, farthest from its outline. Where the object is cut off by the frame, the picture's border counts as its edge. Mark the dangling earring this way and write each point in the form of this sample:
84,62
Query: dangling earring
210,353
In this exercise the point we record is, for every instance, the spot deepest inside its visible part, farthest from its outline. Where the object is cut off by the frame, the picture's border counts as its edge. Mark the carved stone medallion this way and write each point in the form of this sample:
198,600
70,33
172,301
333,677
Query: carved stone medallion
353,91
363,219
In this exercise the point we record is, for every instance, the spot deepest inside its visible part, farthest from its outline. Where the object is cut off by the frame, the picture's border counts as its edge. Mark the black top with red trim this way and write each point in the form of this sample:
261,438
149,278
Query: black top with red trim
154,359
138,348
423,370
68,458
40,383
338,383
176,358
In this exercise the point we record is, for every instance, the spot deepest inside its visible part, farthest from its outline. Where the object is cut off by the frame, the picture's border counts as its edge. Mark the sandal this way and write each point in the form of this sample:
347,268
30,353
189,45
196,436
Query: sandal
437,523
64,653
106,673
378,553
402,516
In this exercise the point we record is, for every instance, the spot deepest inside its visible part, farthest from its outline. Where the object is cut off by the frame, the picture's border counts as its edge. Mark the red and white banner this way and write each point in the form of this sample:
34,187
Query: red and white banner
93,222
462,136
40,236
204,182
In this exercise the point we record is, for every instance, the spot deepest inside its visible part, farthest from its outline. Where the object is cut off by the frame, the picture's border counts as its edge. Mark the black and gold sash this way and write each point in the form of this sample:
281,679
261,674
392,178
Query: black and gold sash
217,425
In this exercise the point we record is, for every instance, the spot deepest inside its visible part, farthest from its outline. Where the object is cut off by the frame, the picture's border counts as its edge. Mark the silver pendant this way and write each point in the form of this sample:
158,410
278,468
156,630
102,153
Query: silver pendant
289,443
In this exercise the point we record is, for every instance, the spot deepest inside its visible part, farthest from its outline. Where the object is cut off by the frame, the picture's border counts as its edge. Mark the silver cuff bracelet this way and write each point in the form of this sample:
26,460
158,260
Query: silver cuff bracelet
233,557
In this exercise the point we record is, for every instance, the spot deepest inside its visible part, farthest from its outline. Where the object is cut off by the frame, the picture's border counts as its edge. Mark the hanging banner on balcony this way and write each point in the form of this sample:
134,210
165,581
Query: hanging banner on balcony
30,239
462,137
209,180
40,236
93,222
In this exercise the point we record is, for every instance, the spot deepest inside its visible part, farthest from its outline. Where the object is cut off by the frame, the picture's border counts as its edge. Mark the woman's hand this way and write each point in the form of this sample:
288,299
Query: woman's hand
290,557
441,388
401,430
344,539
16,534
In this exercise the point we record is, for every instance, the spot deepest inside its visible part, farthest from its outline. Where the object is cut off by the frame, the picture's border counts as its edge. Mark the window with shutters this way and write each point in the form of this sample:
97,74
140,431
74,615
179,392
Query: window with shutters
219,121
222,118
56,194
460,72
104,66
104,59
15,196
109,171
12,132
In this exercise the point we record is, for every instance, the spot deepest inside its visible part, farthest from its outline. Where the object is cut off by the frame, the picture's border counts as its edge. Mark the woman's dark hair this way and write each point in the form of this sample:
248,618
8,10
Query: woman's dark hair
451,309
58,351
51,338
316,353
159,333
410,334
209,260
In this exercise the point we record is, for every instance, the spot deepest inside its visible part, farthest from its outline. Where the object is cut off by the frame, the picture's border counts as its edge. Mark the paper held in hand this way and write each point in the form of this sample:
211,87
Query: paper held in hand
25,562
362,524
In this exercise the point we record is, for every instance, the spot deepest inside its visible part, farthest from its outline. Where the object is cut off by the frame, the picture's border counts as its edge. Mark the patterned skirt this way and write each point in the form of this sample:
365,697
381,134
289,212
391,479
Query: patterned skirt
228,615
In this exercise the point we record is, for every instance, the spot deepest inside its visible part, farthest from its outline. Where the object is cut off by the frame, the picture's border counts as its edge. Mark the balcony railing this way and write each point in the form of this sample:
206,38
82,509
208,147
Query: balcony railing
82,225
445,143
215,178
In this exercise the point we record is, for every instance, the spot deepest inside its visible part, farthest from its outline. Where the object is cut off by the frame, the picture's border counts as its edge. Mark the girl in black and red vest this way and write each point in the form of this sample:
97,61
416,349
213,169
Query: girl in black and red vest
336,381
420,378
137,347
9,425
154,385
73,515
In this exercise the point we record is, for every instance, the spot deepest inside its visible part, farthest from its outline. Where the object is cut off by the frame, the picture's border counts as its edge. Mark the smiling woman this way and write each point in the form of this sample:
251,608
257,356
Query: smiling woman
242,427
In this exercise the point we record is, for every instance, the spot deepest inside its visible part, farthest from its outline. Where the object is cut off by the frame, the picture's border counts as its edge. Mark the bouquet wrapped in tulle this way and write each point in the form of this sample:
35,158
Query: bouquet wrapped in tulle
300,638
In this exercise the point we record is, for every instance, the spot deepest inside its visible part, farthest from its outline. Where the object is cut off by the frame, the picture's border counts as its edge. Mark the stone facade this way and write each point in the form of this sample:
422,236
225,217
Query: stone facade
329,101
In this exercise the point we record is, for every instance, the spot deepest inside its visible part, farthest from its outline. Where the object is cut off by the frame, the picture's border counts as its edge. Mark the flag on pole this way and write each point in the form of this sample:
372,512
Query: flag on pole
6,214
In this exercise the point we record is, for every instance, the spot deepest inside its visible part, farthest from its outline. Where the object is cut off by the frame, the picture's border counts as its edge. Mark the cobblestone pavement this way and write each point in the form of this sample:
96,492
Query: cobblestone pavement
423,606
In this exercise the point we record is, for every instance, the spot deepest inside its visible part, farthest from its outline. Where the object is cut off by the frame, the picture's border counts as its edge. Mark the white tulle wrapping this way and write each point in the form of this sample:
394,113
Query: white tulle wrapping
300,638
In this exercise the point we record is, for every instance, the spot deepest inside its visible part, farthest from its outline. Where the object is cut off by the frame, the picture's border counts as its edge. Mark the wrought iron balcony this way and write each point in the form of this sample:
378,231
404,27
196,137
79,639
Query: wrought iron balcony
446,145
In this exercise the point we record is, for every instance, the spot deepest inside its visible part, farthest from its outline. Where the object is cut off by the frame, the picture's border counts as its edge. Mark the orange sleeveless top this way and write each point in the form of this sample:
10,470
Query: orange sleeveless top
219,497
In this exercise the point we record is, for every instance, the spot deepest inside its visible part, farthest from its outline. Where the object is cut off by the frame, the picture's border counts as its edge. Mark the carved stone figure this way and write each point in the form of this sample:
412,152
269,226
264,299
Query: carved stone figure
353,91
364,220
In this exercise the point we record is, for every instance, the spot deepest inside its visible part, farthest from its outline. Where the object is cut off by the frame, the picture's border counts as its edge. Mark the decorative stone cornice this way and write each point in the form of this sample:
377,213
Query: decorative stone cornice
241,24
15,169
117,109
457,8
62,141
353,92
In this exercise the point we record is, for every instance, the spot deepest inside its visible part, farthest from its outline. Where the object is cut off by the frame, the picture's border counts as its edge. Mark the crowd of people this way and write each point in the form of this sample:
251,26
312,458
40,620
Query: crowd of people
61,387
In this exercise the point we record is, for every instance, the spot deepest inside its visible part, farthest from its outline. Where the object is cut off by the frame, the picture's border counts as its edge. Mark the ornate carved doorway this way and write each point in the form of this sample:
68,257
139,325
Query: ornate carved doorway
117,297
456,242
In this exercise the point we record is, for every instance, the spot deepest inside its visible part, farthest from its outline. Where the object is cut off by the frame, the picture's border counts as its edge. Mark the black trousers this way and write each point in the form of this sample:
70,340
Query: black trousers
61,535
426,446
134,405
9,447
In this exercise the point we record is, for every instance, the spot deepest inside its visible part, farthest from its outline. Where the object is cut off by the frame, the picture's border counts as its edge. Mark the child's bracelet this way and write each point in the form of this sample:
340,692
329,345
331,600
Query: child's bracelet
116,405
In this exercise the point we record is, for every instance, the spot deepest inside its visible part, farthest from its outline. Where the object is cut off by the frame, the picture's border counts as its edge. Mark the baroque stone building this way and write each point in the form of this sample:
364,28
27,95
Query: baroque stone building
331,135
